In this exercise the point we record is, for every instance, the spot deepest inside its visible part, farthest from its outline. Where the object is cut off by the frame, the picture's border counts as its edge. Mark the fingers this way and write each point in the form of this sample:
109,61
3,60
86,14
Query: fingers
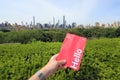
64,67
54,57
61,62
57,64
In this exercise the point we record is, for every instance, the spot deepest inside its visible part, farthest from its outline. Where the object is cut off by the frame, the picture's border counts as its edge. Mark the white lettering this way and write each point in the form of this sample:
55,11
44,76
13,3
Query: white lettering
76,55
74,65
76,59
79,51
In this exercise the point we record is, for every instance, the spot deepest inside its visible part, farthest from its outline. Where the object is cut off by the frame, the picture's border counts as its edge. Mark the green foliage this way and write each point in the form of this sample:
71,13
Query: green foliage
101,60
118,32
1,37
53,35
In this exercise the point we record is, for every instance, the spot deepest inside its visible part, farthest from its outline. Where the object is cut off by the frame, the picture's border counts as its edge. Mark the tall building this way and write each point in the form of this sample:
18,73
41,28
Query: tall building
53,22
57,24
64,22
33,20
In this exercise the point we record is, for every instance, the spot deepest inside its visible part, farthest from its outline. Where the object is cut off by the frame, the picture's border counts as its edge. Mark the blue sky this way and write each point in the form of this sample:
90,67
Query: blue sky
79,11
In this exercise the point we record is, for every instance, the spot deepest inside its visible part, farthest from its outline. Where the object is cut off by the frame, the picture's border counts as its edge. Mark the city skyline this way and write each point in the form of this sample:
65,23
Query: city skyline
80,11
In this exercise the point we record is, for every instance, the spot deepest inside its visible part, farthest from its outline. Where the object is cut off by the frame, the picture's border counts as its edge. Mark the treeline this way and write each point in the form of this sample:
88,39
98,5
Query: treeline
53,35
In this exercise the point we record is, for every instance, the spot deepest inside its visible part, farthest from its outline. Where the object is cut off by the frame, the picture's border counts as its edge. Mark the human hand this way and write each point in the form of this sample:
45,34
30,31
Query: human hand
52,66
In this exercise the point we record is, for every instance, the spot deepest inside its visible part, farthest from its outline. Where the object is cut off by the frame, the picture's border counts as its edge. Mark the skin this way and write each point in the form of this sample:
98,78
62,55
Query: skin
50,68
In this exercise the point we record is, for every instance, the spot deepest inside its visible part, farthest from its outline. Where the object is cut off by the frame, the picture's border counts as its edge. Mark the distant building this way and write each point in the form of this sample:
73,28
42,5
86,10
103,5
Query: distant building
88,26
116,24
33,20
64,22
6,26
69,26
74,25
97,24
80,26
58,24
1,26
103,25
53,22
107,25
38,25
47,25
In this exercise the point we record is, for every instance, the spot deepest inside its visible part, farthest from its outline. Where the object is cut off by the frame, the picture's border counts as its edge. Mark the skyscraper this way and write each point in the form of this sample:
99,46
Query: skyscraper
64,22
33,20
53,22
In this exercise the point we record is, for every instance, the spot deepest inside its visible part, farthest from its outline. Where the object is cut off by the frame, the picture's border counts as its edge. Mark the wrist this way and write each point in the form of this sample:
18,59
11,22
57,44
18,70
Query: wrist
45,72
40,75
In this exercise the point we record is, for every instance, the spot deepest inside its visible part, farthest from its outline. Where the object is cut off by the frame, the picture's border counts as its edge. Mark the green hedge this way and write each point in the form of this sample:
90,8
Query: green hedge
101,60
53,35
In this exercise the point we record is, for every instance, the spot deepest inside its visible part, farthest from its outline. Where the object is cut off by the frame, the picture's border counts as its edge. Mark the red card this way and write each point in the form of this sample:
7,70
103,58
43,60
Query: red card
72,50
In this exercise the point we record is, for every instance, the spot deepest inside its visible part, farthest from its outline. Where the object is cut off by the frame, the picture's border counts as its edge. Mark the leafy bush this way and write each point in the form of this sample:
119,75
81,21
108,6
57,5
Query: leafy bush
100,61
53,35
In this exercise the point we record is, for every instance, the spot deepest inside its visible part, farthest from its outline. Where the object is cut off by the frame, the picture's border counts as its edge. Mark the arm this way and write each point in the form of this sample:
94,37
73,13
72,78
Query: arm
50,68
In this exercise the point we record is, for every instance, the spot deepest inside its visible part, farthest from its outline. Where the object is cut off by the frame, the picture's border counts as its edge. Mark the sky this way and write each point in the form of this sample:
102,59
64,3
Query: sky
79,11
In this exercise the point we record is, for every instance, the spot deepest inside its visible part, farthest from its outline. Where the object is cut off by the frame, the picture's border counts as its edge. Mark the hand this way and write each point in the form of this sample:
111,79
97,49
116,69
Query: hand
52,66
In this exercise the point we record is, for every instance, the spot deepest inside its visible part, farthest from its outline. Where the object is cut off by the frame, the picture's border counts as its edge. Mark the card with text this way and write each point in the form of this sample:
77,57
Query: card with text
72,50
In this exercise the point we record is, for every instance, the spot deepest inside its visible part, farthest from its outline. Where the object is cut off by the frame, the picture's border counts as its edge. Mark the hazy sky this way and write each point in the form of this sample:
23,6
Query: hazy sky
79,11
